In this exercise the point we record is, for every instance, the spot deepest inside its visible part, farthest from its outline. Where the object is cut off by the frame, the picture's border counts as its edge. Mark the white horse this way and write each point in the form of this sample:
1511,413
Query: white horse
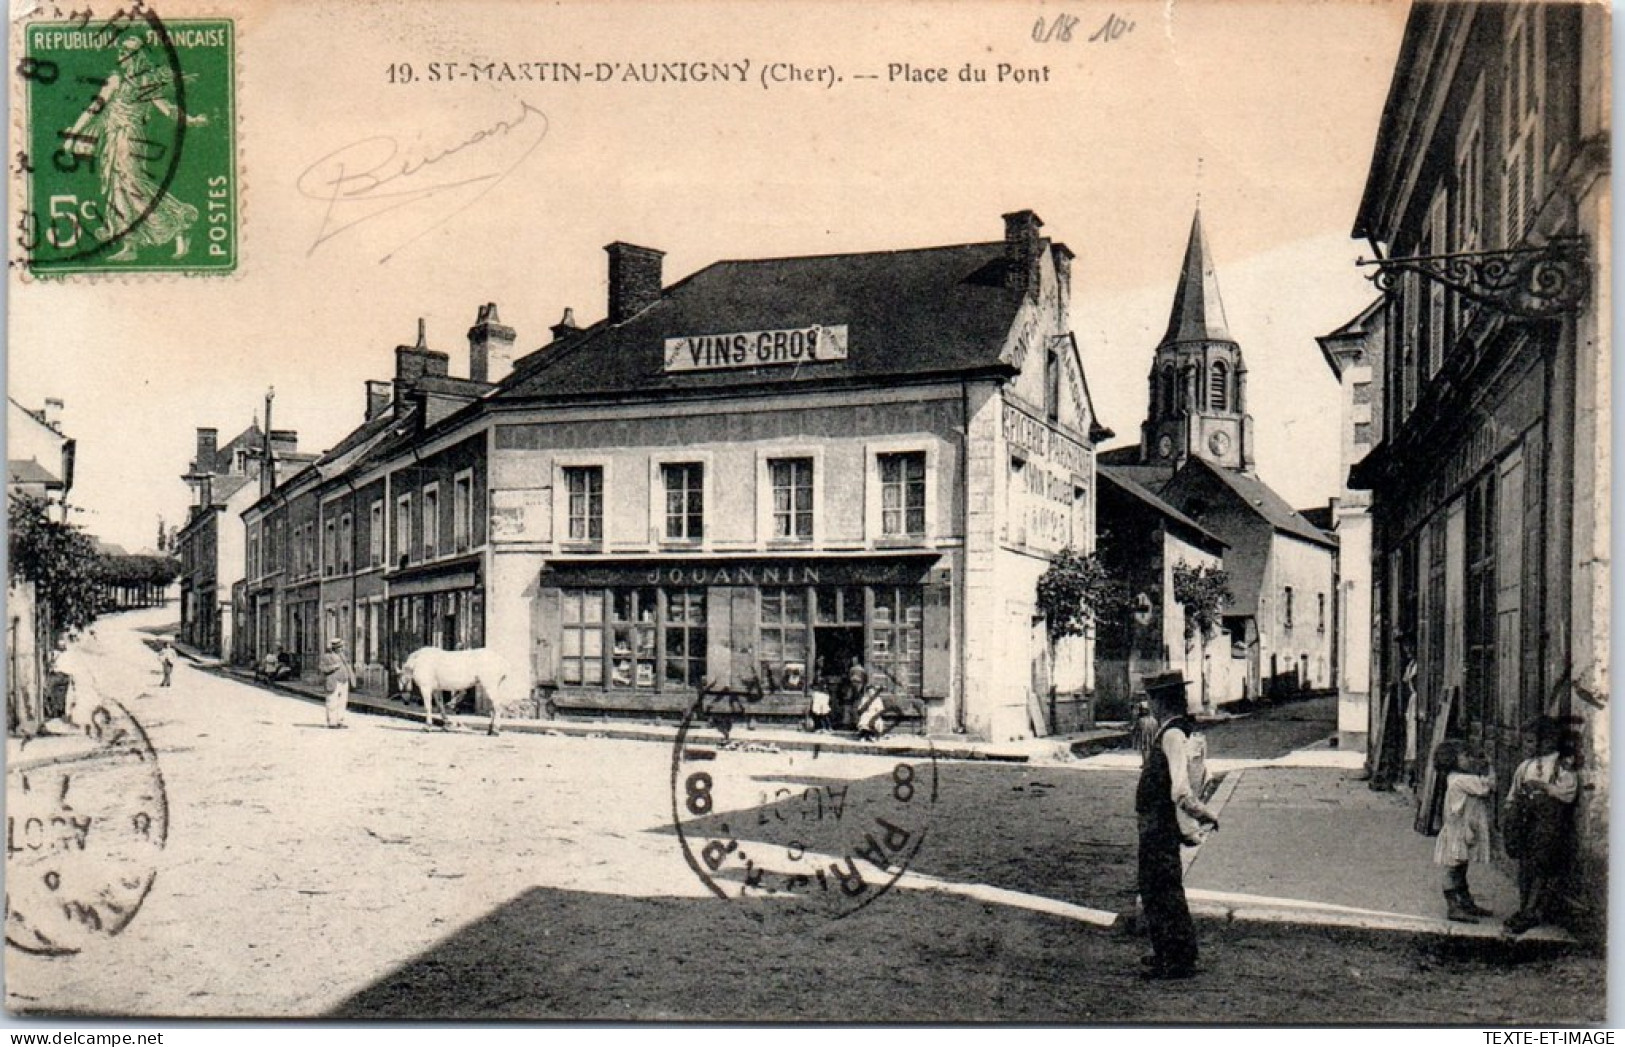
432,670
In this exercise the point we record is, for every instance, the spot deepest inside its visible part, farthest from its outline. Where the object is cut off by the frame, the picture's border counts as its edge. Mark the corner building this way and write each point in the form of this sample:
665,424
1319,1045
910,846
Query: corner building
773,468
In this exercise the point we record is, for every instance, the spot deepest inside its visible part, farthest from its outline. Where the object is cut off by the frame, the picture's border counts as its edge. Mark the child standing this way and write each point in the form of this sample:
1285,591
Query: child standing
1465,835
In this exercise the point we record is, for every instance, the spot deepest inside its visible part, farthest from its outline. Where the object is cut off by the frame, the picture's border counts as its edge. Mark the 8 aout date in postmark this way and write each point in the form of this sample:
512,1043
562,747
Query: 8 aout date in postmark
789,829
128,144
87,817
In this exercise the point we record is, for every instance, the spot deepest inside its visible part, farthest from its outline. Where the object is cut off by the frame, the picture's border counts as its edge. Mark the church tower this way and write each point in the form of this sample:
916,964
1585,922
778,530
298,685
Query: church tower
1198,378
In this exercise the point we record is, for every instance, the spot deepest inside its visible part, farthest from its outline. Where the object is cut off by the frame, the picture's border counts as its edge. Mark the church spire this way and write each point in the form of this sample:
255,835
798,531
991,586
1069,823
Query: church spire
1198,313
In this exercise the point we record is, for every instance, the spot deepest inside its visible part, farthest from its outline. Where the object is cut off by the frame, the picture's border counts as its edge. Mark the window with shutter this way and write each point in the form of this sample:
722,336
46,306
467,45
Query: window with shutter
1522,92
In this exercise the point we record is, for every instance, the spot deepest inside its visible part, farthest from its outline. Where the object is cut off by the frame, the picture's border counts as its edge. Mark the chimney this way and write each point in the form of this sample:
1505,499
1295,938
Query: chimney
566,326
634,279
1021,245
53,412
490,346
414,362
208,441
379,396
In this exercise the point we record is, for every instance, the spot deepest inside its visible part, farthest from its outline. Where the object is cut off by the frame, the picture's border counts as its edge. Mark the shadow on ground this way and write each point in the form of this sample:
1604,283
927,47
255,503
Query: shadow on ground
552,954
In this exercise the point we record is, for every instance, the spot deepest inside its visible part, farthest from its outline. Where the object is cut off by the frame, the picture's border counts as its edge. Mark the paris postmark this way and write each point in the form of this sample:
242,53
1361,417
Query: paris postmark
87,818
805,830
127,152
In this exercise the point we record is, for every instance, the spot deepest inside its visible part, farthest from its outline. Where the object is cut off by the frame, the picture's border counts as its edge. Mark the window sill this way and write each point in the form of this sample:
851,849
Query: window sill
901,541
581,547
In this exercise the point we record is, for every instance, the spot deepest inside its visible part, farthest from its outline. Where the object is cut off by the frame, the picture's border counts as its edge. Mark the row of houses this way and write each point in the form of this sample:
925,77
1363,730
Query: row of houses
1477,402
750,479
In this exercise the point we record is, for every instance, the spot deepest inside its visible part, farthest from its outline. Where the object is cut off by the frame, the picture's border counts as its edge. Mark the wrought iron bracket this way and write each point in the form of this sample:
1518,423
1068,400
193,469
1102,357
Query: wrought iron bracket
1530,283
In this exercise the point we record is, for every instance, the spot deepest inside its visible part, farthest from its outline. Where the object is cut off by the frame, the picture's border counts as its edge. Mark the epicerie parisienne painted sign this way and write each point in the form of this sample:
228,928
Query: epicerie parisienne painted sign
797,345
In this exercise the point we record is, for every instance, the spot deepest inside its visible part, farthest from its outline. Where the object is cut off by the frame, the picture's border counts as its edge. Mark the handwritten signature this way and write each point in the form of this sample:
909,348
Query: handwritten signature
377,176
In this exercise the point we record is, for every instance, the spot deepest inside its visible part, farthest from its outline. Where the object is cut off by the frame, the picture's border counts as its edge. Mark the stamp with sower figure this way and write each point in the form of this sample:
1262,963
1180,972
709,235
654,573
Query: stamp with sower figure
129,152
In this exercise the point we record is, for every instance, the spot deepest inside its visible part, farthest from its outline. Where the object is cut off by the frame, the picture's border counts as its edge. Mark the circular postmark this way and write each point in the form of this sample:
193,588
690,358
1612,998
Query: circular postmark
808,830
107,118
86,820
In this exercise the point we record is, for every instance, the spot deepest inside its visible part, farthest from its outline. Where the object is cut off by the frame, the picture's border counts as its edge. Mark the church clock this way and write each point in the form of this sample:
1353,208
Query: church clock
1165,446
1219,443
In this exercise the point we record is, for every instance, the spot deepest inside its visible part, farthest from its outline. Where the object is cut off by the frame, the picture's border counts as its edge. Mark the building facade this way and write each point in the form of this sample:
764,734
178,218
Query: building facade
1354,352
1488,204
750,480
775,470
225,479
1145,541
1195,457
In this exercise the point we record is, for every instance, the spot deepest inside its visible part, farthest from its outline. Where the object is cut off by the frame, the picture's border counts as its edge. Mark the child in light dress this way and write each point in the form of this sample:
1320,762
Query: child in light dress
1465,835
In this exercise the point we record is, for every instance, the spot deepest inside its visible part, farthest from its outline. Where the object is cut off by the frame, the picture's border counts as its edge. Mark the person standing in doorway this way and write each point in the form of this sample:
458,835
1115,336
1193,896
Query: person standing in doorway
1546,782
339,677
1164,789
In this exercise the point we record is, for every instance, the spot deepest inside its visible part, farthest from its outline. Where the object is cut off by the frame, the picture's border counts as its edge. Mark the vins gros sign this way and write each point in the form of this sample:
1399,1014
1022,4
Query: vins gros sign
796,345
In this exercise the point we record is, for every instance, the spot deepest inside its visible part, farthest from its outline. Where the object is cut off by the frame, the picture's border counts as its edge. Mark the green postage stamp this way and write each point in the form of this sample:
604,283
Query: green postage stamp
130,151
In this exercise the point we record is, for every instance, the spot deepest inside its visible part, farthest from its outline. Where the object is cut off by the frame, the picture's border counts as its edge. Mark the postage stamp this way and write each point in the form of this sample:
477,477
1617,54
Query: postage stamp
86,819
783,828
130,158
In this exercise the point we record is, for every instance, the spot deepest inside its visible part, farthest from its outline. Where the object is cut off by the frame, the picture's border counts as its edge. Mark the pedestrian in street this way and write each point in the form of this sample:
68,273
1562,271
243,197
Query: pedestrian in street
1164,789
166,662
1465,834
1538,817
857,686
335,669
1144,733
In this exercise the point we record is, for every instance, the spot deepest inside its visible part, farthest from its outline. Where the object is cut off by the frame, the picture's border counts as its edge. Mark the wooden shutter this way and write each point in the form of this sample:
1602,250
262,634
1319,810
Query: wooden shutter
741,637
937,673
547,622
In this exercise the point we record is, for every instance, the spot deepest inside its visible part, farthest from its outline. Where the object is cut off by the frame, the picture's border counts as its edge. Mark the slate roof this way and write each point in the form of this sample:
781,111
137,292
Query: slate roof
29,471
931,311
1269,505
1198,312
1151,477
1124,482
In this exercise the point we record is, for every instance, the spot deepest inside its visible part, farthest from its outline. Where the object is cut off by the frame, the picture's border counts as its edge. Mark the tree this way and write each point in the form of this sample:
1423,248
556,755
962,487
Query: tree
59,559
1204,593
1074,591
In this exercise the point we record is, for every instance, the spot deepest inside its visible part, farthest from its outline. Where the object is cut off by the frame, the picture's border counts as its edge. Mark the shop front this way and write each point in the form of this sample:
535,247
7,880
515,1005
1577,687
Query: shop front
440,607
645,636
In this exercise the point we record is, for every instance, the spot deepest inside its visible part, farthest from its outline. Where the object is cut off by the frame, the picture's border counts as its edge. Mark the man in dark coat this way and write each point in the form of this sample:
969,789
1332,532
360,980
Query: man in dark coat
1165,788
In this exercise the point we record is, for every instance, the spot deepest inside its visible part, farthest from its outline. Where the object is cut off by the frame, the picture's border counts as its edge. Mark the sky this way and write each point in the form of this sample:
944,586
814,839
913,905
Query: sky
1265,110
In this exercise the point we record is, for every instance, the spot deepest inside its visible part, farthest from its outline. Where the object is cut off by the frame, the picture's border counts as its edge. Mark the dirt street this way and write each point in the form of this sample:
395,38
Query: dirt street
384,872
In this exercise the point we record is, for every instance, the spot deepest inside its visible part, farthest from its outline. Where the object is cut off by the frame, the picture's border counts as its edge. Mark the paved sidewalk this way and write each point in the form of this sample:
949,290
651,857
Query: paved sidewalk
1304,840
1061,749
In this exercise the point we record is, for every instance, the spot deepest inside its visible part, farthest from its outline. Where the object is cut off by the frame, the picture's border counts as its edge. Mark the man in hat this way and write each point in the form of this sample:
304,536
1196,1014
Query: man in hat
335,669
1164,789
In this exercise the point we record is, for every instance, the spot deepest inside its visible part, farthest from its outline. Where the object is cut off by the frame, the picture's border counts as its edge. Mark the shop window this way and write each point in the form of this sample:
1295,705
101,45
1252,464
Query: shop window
584,487
462,510
902,495
783,645
792,480
685,500
634,615
685,638
896,649
431,521
649,638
